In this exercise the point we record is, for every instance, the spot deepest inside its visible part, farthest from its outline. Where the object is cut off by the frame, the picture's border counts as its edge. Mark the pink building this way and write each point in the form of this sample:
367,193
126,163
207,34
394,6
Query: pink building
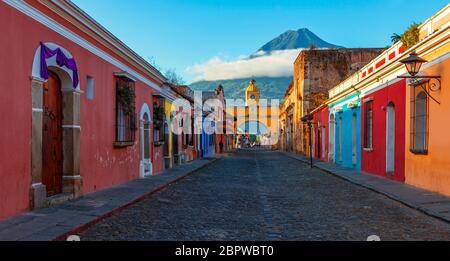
77,103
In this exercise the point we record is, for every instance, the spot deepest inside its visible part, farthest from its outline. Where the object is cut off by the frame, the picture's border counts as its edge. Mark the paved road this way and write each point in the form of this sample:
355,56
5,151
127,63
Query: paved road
267,196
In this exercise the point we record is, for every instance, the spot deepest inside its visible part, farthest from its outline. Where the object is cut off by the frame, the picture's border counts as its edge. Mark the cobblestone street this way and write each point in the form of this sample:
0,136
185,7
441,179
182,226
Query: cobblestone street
262,195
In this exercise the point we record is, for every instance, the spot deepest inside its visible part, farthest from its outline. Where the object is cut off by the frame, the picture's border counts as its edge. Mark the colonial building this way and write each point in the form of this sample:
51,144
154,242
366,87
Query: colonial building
169,117
320,133
82,104
315,72
427,163
383,124
287,120
183,142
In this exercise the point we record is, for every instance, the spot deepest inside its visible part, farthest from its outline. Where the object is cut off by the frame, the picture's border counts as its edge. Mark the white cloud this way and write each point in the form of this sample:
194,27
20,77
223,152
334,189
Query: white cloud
275,64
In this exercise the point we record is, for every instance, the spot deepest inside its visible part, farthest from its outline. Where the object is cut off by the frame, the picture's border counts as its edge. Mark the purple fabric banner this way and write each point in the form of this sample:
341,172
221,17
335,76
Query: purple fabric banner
61,60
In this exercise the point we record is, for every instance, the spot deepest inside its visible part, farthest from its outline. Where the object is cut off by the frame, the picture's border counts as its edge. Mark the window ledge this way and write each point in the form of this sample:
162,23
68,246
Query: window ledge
123,144
368,149
419,152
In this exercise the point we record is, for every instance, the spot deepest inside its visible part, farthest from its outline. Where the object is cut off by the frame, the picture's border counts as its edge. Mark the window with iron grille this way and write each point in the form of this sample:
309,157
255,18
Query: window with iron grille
159,116
188,138
125,111
368,125
419,119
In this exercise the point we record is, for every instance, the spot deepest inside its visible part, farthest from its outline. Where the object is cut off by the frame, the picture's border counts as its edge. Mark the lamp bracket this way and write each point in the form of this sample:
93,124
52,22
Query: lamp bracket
434,85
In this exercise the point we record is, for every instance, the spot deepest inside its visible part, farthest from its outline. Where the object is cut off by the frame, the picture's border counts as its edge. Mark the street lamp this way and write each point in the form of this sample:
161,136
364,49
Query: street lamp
413,64
308,119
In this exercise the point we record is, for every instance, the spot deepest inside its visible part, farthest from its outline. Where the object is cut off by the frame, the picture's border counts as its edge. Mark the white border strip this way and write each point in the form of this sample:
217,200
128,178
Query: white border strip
50,23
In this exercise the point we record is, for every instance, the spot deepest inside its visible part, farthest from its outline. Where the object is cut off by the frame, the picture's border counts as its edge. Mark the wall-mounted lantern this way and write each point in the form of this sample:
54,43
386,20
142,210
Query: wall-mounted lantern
413,64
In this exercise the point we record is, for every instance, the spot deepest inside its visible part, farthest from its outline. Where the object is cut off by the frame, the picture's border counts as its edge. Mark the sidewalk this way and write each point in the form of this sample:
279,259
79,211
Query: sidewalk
430,203
57,222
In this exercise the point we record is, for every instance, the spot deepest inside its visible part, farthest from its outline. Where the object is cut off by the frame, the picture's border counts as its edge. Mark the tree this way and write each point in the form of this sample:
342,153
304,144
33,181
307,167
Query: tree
171,74
152,61
395,38
173,77
409,38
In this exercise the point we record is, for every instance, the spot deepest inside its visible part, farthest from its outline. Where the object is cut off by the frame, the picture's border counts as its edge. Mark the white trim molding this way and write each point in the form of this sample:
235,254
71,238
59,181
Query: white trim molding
92,25
125,75
40,17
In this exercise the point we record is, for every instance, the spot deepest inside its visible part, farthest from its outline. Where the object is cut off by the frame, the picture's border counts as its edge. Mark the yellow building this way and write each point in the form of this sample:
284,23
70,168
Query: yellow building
288,118
256,116
168,151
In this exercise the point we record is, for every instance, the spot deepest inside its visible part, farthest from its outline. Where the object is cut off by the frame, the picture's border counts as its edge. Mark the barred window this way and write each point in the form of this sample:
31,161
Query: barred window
419,119
125,111
368,125
159,116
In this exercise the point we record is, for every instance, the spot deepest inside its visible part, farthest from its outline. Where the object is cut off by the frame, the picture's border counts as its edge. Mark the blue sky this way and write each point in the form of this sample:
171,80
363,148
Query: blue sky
181,33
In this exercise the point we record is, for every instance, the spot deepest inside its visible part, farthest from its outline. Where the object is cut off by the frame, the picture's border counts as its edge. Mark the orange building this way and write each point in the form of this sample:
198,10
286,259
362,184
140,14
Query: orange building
427,116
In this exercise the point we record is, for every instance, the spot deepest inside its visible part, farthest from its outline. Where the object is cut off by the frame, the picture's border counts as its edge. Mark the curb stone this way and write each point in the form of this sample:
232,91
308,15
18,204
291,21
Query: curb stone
372,188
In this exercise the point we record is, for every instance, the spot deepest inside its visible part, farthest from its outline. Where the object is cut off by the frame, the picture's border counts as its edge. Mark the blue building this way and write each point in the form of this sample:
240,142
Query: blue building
345,133
207,141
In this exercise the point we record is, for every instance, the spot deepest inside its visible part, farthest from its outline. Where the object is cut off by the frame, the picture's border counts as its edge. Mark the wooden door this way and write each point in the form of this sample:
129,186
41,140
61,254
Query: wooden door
52,137
390,139
331,138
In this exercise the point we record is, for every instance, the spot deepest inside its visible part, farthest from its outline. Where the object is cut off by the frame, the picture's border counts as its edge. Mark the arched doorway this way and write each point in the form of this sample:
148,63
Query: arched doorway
390,139
146,167
354,139
340,126
331,138
56,127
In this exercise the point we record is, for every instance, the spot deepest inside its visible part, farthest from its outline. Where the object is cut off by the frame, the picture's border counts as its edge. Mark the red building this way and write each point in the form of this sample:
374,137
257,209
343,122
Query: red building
383,131
78,108
320,133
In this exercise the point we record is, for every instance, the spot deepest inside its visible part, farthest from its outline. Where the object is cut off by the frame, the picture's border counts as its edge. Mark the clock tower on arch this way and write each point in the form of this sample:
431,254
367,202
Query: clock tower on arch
252,93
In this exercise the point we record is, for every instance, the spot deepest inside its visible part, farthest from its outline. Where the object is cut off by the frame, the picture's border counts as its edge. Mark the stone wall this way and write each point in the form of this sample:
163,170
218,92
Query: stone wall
316,71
